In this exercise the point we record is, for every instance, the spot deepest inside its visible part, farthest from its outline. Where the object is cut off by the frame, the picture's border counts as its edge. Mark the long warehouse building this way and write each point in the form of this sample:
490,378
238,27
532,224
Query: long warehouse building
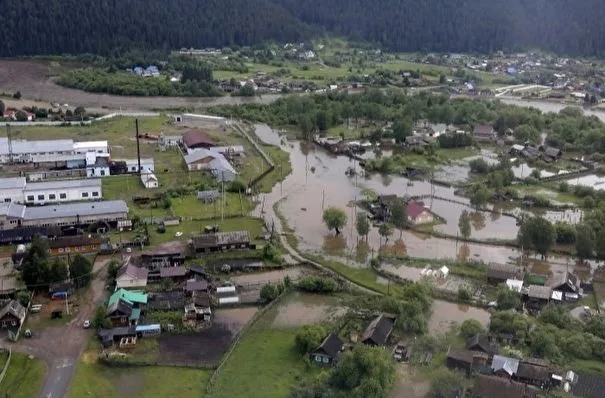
18,190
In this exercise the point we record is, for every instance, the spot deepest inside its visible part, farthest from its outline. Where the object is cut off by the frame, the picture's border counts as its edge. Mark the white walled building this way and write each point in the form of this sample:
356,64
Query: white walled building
39,151
63,191
97,166
11,189
133,164
149,179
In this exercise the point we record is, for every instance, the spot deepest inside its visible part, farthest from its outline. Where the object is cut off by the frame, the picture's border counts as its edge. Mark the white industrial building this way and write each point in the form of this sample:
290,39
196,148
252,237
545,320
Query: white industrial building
18,190
133,164
149,179
49,151
209,160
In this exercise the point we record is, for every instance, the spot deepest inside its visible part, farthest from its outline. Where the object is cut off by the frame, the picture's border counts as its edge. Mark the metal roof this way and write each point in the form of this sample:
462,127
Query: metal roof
63,184
130,296
509,365
39,146
75,209
135,162
89,144
12,209
12,183
198,154
148,328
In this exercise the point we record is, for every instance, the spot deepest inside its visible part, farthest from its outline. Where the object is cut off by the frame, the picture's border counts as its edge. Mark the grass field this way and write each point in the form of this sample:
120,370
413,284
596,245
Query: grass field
24,377
95,380
265,364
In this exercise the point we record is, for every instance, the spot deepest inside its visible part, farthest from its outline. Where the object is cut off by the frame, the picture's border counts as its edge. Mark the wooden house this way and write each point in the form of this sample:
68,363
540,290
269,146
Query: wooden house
12,315
61,246
379,330
499,273
328,351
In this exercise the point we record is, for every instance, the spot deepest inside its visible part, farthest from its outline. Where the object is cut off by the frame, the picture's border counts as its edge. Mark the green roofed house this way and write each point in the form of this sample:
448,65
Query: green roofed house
138,297
124,307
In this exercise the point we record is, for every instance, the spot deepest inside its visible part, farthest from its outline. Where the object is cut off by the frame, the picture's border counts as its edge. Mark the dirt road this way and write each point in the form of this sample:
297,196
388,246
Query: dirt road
35,81
60,347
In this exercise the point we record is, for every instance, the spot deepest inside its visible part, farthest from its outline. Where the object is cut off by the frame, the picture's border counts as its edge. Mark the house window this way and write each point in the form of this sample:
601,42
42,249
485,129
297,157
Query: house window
30,198
61,250
52,196
7,200
95,194
326,360
14,323
102,172
40,197
67,250
317,358
84,194
62,196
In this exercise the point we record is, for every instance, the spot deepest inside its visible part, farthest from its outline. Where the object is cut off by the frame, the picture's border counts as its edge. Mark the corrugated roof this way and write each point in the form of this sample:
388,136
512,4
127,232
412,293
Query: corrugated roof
76,209
135,162
221,164
12,183
132,296
64,184
170,272
539,292
509,365
13,210
39,146
194,138
199,154
148,328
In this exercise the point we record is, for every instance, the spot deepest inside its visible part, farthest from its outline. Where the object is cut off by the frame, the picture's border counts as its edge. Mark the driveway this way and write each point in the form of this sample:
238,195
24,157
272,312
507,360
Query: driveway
61,347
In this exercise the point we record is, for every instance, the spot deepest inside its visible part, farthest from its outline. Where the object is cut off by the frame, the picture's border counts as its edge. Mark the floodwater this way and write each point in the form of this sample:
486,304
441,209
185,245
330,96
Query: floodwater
268,277
523,170
447,315
546,106
318,181
593,181
304,309
267,135
239,316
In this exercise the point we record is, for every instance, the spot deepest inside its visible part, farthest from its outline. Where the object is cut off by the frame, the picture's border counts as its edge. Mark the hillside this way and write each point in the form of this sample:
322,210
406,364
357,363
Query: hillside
101,26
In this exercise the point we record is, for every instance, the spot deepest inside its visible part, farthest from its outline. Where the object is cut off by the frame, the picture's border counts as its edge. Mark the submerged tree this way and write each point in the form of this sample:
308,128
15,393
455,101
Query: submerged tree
334,219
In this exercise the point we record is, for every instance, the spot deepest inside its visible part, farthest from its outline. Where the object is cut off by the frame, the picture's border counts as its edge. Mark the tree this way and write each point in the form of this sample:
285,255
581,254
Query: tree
402,128
112,270
58,271
507,298
334,219
80,111
306,125
470,328
479,166
479,197
100,319
35,263
362,224
17,95
269,292
600,244
308,338
80,270
385,230
446,383
543,342
21,116
398,216
464,294
464,224
537,233
585,241
2,108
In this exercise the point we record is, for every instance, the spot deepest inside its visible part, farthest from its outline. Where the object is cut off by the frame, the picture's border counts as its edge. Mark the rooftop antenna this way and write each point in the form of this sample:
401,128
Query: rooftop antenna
136,124
10,143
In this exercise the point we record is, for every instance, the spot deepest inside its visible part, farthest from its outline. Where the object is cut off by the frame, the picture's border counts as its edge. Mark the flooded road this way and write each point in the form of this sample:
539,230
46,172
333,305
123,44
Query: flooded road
447,315
546,106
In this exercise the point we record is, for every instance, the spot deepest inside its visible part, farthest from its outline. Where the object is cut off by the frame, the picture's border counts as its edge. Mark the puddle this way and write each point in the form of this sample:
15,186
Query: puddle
593,181
447,315
268,277
304,309
239,316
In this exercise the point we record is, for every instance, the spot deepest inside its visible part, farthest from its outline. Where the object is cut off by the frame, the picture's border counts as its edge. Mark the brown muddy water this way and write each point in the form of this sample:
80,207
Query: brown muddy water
303,309
318,181
236,316
269,276
447,315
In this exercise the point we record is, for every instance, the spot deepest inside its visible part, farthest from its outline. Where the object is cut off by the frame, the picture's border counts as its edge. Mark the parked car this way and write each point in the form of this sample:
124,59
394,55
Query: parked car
28,333
86,324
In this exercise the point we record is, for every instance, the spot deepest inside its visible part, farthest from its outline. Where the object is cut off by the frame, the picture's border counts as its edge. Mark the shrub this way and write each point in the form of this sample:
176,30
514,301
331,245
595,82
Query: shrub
317,284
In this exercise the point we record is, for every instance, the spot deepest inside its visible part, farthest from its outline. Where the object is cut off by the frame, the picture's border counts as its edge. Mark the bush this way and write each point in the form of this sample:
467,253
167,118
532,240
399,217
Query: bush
317,284
270,292
236,187
470,327
464,295
308,338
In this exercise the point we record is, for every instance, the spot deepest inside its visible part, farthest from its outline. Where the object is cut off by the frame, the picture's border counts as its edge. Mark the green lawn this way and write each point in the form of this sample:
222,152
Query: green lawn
95,380
265,364
590,366
24,377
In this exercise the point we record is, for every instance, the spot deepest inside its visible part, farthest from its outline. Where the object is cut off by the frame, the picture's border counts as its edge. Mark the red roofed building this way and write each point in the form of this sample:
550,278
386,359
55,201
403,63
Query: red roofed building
197,139
418,214
12,115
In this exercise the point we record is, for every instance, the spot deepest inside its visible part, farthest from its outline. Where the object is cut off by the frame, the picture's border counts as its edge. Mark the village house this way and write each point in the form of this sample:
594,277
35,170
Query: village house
496,387
537,296
175,274
63,245
550,154
221,241
465,360
194,286
499,273
534,371
131,277
379,330
12,315
484,133
121,336
567,284
149,179
194,139
483,343
154,260
124,307
11,114
418,214
328,352
198,307
504,366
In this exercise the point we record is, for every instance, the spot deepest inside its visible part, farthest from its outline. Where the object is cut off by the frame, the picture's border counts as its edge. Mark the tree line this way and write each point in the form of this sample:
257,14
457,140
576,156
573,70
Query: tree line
104,26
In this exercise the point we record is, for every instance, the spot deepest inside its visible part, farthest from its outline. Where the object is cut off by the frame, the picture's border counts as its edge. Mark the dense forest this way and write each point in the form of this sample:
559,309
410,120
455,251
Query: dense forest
104,26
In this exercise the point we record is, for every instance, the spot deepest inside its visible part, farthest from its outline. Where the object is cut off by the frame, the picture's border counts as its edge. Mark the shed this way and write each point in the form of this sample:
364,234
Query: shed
148,330
466,360
514,285
328,351
498,273
501,364
483,343
444,271
228,300
496,387
197,139
208,196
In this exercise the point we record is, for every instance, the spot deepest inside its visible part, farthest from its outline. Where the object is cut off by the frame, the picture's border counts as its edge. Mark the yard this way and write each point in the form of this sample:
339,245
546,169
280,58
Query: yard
265,363
24,377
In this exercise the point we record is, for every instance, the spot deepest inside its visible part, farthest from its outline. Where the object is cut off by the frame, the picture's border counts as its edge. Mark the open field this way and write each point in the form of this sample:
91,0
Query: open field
24,377
95,380
265,363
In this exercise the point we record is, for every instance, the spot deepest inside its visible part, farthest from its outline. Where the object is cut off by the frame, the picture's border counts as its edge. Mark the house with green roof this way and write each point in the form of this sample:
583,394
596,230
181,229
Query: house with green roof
124,307
130,296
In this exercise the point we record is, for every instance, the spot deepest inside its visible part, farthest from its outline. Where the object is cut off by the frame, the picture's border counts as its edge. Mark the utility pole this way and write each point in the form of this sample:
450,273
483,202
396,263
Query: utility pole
10,144
223,198
323,198
136,124
68,280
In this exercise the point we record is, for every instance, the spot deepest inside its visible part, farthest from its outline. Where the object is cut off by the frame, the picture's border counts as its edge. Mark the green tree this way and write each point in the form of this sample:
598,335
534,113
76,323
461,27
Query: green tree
362,224
334,219
365,370
543,343
479,166
80,270
112,270
470,328
464,224
399,218
402,128
507,298
539,233
306,125
269,292
80,111
479,197
385,230
21,116
58,271
35,263
308,338
100,319
2,108
585,241
600,244
445,383
464,294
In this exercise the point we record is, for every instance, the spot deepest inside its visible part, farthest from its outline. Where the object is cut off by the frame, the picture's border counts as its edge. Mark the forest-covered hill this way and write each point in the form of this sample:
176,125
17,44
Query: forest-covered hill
100,26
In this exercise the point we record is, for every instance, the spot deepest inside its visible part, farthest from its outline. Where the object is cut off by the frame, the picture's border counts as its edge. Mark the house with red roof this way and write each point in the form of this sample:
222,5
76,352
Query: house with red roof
11,114
418,214
194,139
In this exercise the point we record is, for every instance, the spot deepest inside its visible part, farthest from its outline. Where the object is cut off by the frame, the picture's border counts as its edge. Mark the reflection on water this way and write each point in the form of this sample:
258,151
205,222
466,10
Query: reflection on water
303,309
478,220
447,315
592,181
362,251
334,245
464,252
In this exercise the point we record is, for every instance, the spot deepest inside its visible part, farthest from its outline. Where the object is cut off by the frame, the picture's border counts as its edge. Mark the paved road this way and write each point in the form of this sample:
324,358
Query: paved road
61,347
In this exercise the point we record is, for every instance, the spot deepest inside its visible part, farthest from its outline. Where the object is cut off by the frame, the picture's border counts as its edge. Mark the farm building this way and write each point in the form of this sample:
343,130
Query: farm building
131,277
328,351
74,244
149,179
63,191
132,165
500,273
12,315
465,360
198,307
221,241
11,189
418,214
221,169
197,139
379,330
49,151
199,159
97,166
